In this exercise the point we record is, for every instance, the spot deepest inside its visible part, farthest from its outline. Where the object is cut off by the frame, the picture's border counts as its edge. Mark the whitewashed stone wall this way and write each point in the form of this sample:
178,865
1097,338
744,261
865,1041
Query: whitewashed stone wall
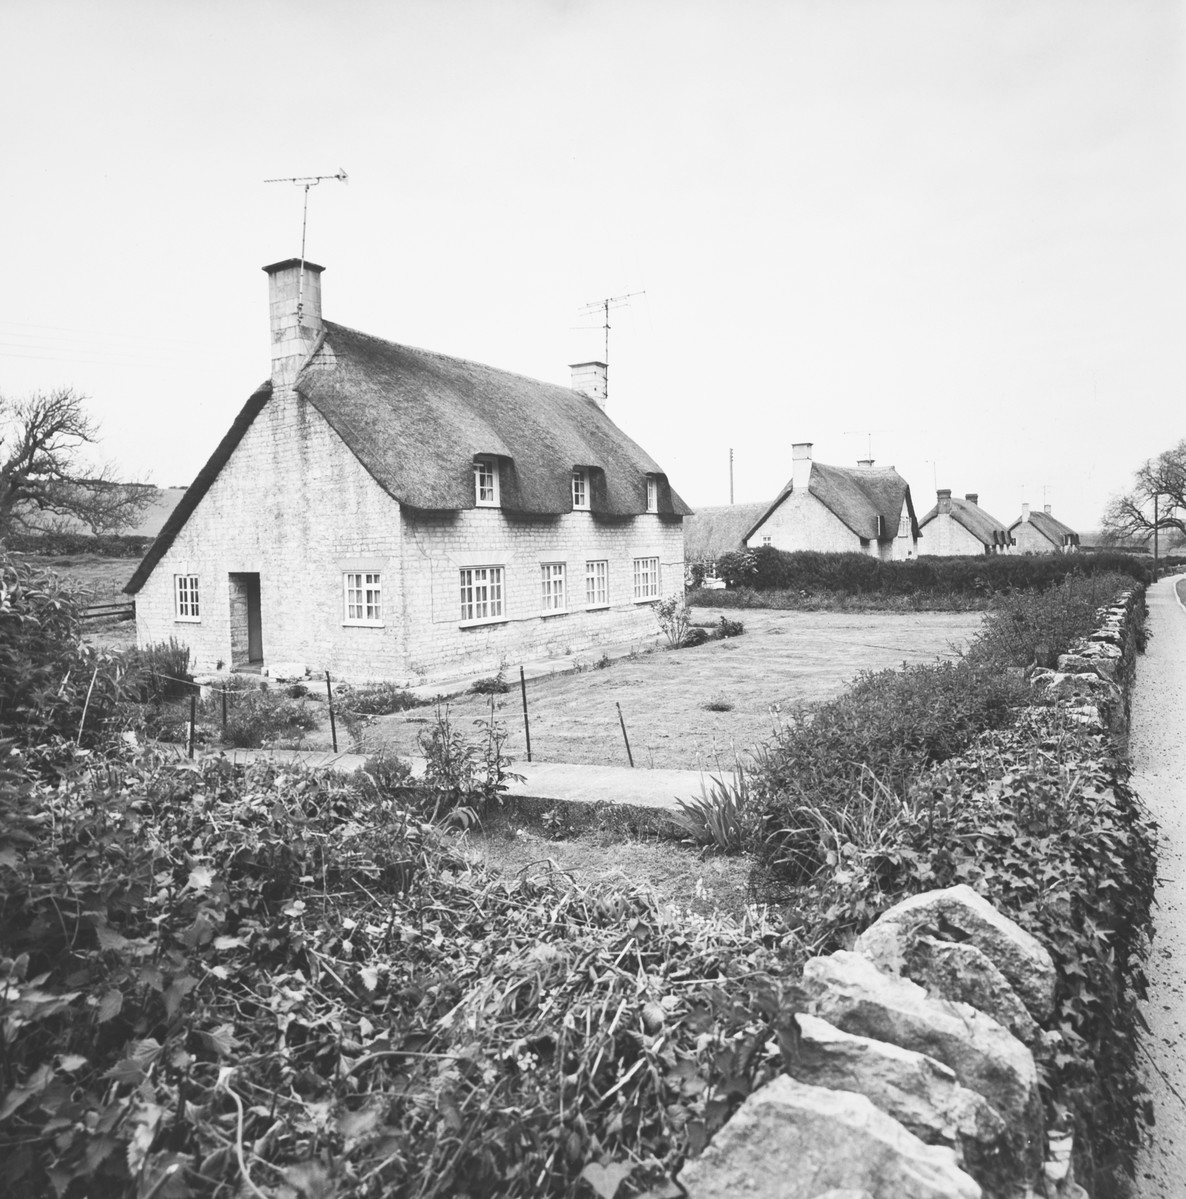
801,522
294,505
946,537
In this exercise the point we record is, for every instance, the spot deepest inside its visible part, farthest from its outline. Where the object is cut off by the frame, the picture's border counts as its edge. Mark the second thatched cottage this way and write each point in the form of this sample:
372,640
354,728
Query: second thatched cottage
385,512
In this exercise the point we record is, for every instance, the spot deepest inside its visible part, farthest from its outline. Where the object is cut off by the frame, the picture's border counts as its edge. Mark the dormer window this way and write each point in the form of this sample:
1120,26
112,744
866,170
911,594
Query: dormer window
580,488
652,494
486,482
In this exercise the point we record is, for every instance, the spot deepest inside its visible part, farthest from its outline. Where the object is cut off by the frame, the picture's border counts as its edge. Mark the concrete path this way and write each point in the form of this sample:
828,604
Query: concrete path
541,780
1159,760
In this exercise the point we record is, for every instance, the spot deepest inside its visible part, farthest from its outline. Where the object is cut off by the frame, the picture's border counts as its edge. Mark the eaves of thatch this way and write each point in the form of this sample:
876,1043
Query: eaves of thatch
198,488
985,528
867,499
416,420
711,532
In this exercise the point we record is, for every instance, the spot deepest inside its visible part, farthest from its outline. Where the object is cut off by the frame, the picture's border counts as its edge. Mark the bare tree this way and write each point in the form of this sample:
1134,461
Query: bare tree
46,480
1157,501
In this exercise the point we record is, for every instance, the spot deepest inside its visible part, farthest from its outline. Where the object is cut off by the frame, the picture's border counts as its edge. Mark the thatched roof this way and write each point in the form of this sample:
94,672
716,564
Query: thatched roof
1052,529
416,419
986,529
857,496
711,532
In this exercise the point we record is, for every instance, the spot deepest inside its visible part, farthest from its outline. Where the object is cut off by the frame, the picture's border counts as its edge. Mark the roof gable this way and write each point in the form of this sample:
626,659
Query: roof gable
985,528
857,497
1051,528
416,419
711,532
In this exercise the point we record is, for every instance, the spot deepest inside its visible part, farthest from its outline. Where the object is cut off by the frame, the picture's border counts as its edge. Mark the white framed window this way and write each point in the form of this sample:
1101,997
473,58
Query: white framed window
652,494
765,539
646,578
364,597
486,482
185,593
580,489
553,592
481,594
596,584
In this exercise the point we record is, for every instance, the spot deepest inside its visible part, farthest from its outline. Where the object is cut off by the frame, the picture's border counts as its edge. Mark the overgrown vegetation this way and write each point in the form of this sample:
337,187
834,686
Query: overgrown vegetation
375,699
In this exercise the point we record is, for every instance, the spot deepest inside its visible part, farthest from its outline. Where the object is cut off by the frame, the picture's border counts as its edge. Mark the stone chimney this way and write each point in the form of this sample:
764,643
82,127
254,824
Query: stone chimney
865,463
801,464
973,497
943,495
294,333
1025,512
591,379
1047,509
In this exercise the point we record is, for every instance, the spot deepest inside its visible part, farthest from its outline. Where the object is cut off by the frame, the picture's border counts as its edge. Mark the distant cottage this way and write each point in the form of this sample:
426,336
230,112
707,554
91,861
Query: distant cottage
866,510
961,527
391,513
1041,533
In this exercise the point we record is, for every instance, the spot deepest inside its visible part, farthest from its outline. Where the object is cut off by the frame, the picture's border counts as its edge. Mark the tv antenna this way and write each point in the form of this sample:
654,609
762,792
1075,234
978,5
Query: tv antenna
868,433
306,181
604,306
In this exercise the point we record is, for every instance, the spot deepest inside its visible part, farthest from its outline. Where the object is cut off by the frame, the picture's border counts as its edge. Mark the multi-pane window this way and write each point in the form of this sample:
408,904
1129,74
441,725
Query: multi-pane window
185,588
486,482
646,578
481,593
652,494
552,596
596,584
580,489
364,597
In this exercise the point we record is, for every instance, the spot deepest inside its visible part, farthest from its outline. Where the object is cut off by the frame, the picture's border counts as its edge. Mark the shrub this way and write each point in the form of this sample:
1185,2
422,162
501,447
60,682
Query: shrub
493,686
256,717
694,636
462,779
375,699
165,668
719,703
728,628
672,615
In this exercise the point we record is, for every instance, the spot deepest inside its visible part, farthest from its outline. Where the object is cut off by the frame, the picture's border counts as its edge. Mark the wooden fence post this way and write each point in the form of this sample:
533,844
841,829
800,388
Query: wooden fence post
526,721
333,724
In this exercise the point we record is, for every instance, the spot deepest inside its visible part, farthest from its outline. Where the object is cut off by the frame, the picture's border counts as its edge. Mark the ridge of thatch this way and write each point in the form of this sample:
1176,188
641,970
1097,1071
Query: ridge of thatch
985,528
1050,527
711,532
415,419
198,488
857,496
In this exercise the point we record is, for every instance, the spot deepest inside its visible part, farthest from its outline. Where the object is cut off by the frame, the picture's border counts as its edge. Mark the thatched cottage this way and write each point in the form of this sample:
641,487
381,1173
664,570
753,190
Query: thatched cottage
961,528
866,510
386,512
1041,533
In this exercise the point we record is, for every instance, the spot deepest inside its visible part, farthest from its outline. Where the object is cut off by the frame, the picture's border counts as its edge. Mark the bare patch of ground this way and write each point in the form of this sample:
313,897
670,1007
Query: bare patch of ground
667,697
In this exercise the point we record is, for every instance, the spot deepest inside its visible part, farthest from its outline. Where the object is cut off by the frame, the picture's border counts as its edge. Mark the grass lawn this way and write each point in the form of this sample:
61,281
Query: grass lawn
694,708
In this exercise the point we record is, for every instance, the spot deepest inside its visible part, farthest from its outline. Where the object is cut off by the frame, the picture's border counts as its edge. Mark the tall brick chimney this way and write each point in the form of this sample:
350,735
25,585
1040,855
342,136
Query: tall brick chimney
293,333
801,464
943,496
973,497
591,379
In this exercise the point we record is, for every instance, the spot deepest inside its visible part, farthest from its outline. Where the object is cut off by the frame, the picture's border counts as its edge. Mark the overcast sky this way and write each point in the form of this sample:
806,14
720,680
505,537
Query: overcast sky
952,226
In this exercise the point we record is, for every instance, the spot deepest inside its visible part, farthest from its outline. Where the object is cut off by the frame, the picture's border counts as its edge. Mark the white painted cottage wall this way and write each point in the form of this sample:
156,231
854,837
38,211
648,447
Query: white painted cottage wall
946,537
801,522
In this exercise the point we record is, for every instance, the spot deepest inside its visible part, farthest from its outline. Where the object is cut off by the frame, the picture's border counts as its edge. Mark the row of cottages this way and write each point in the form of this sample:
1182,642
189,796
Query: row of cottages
387,512
962,528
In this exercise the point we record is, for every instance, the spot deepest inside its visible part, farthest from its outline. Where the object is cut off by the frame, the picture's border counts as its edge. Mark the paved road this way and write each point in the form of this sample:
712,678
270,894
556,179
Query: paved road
1159,761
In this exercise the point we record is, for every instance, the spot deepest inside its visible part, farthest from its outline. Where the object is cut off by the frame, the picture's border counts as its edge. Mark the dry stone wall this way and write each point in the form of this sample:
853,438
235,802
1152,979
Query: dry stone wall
912,1071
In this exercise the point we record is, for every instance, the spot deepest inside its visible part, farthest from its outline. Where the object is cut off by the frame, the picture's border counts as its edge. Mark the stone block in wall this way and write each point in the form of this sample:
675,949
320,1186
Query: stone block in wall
922,1094
959,971
847,990
793,1141
960,913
